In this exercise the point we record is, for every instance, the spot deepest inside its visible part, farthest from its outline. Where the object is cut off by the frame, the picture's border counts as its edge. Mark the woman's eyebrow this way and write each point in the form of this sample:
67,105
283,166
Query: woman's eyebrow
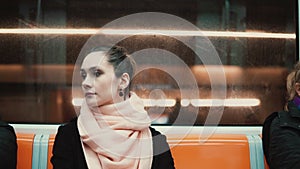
95,68
92,69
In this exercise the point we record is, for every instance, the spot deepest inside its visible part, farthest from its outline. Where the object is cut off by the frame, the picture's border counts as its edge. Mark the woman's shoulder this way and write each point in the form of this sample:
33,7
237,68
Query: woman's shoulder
70,126
67,131
6,126
285,120
158,138
154,132
281,120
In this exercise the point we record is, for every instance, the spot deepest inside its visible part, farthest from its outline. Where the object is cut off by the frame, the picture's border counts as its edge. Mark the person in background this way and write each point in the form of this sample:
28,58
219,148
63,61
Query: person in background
113,129
281,130
8,146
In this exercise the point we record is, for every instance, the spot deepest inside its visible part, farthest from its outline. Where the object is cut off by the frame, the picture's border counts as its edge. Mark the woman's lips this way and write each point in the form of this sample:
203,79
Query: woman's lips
88,94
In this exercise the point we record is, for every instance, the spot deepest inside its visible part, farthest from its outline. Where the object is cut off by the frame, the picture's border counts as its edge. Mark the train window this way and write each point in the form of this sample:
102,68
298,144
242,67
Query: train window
253,43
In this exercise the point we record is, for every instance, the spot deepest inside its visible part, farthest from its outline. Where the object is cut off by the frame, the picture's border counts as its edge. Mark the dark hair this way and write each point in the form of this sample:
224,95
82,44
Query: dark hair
121,61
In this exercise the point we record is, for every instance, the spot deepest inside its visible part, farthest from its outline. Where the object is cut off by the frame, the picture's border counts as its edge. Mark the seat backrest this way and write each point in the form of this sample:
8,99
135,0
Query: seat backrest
25,150
218,151
224,151
50,148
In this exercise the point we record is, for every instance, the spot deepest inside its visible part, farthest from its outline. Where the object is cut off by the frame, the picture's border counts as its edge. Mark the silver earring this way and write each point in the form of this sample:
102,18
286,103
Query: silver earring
121,93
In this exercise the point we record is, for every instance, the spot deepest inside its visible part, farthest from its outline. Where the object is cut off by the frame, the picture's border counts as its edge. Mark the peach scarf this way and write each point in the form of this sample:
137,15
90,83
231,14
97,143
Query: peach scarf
116,135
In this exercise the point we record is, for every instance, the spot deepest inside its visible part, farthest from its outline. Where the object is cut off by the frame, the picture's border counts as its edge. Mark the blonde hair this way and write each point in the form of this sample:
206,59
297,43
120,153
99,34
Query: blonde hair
292,79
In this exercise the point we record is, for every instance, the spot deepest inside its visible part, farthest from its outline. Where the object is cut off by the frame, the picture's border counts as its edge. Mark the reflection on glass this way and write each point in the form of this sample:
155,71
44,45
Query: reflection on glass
255,40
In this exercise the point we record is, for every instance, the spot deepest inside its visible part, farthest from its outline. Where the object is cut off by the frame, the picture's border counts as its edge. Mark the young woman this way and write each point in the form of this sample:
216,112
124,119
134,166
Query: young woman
281,130
113,129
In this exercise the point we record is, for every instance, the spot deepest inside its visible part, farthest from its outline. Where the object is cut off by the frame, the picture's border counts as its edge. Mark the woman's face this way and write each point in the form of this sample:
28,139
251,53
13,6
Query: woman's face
100,85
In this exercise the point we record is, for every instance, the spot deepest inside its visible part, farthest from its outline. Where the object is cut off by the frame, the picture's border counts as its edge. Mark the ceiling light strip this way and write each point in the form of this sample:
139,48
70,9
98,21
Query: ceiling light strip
60,31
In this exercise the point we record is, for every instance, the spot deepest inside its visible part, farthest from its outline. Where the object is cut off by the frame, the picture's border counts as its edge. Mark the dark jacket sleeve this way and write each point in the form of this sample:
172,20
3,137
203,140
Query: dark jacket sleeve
8,147
62,150
284,150
67,149
161,151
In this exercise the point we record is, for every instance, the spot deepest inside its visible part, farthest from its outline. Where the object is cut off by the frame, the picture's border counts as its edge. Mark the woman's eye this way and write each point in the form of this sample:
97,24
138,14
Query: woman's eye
98,73
83,75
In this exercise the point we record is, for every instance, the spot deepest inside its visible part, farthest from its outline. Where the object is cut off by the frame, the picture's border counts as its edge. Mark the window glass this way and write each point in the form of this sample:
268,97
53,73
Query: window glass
255,41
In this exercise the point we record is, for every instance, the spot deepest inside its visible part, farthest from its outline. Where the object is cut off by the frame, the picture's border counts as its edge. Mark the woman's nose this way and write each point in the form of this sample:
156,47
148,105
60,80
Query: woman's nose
87,83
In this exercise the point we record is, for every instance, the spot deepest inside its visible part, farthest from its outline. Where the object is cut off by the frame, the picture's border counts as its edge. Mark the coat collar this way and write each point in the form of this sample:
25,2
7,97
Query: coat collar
291,118
293,110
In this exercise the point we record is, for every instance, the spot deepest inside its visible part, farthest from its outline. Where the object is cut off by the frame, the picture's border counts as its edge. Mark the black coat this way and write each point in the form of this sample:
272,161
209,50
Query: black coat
68,153
284,142
8,146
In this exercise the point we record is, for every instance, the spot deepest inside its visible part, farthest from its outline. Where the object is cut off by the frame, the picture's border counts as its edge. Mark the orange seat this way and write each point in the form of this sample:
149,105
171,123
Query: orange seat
224,151
50,148
218,151
266,164
25,148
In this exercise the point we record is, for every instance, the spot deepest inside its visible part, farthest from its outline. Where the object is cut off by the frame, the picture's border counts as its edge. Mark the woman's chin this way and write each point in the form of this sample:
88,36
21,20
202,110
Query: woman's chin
92,103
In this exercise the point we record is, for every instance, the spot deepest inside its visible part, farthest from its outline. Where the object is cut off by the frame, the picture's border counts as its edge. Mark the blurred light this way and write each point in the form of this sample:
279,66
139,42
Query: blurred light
225,102
159,102
185,102
147,32
49,31
77,101
206,102
199,33
241,102
160,120
195,102
147,102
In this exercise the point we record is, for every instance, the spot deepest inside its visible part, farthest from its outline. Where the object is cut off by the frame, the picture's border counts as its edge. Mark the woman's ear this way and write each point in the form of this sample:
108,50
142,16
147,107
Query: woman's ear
297,88
124,81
